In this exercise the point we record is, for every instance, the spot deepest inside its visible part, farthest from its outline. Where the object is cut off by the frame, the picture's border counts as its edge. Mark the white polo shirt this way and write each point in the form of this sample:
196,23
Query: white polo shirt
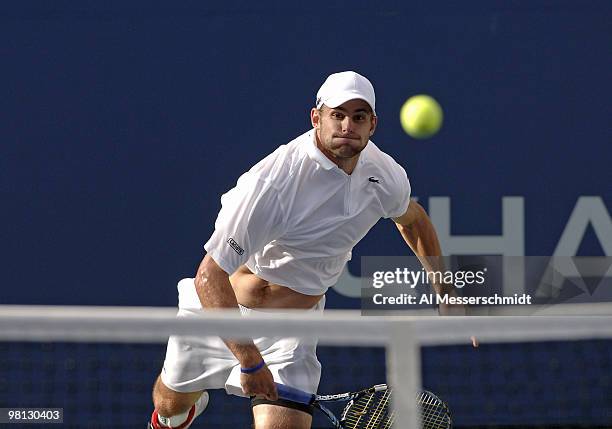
295,217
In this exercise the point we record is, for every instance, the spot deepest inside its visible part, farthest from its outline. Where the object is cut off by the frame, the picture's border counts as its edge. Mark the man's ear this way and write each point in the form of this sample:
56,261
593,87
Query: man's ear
315,117
374,123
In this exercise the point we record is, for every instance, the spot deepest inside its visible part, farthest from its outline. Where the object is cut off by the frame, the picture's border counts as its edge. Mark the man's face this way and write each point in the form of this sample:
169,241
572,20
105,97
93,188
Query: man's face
343,131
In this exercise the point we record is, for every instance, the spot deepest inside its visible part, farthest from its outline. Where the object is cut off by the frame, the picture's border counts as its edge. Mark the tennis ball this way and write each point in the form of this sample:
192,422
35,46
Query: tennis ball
421,116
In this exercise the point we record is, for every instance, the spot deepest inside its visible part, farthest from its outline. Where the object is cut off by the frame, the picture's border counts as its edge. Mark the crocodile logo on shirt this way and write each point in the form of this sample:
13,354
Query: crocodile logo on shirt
373,179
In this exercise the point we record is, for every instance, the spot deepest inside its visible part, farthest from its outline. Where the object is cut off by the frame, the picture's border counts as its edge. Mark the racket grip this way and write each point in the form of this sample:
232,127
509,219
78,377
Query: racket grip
293,394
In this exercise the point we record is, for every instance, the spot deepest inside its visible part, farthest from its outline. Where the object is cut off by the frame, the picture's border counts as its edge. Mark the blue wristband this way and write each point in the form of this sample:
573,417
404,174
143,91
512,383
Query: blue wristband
253,369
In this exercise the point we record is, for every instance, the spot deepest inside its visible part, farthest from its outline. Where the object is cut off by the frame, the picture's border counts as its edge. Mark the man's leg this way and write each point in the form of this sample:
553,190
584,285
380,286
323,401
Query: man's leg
294,363
176,409
268,416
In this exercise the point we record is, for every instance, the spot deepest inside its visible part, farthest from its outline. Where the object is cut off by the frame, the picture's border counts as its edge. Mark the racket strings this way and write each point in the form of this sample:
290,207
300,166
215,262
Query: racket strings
434,413
372,411
389,422
358,409
380,412
369,412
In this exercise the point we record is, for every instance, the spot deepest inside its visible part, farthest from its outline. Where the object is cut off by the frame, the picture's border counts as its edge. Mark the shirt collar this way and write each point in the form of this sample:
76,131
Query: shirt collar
316,155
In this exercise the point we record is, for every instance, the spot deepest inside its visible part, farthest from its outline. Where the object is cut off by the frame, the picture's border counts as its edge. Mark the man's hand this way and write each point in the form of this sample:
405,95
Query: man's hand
259,383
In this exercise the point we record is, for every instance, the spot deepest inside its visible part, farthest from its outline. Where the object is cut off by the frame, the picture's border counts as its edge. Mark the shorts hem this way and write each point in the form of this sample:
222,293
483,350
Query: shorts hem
283,403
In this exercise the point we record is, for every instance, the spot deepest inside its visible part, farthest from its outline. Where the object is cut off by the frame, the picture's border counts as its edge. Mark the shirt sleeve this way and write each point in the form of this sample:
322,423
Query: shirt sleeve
250,217
402,194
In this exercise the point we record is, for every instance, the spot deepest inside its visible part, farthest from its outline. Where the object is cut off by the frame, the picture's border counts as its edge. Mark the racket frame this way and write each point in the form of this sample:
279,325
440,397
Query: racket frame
296,395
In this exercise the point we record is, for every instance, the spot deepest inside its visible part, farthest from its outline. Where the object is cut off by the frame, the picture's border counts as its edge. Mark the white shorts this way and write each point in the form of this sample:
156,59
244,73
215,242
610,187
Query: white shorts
201,363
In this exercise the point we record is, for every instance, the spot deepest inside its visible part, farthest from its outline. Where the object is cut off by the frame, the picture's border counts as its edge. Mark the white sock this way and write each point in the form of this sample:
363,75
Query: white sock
180,419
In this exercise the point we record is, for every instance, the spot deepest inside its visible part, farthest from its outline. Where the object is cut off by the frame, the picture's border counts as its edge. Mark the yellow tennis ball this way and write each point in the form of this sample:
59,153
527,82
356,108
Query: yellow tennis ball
421,116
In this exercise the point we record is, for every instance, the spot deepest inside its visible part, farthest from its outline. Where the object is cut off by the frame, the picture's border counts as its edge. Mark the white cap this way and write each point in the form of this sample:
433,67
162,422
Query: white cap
341,87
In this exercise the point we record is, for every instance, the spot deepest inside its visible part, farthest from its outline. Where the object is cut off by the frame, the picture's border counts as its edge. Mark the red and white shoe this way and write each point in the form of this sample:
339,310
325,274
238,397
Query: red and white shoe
158,422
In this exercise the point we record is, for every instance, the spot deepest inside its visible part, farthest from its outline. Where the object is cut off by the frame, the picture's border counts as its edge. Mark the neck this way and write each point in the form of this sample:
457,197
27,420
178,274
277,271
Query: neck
345,164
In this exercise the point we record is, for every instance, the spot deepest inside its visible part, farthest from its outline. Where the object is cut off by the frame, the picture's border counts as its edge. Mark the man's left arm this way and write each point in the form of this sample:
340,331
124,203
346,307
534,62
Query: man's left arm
419,233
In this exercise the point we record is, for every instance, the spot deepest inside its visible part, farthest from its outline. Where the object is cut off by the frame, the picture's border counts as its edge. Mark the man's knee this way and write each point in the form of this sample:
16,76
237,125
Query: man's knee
168,402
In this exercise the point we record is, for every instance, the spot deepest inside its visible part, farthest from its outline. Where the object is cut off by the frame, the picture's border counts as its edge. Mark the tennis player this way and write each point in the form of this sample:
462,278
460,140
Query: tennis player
281,239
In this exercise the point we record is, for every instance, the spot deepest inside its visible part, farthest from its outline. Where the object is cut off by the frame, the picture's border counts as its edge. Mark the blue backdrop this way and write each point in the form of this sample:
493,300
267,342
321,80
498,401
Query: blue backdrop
123,123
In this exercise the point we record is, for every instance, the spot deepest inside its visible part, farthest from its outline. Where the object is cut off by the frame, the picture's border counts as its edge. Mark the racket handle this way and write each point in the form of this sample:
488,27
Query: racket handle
293,394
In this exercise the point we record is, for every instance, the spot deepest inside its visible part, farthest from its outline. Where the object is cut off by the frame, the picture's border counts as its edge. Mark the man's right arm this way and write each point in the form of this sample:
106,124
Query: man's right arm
215,291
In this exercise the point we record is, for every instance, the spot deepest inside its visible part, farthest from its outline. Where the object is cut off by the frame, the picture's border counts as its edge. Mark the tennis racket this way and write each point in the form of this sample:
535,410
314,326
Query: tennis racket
369,408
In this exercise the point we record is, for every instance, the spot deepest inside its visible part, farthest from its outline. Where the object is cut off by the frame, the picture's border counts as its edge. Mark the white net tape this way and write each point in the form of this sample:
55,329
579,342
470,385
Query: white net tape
402,336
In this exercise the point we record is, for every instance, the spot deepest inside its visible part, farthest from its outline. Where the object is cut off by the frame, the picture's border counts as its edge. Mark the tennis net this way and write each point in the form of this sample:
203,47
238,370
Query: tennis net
98,364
